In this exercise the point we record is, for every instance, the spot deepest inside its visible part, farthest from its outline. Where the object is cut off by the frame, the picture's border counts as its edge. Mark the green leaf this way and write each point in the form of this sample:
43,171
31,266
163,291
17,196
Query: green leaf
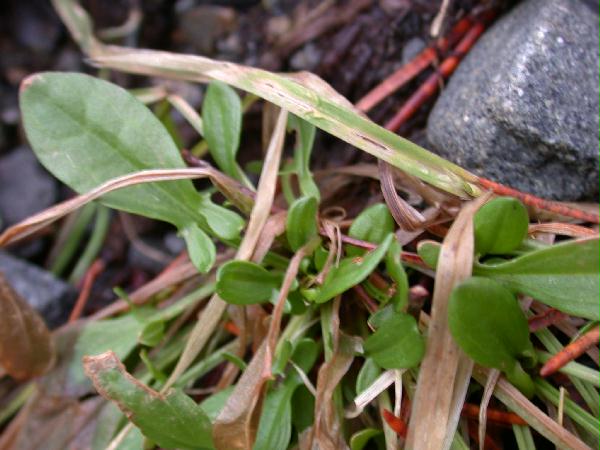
395,269
152,333
397,343
429,251
222,122
350,272
305,354
305,133
301,224
486,321
367,374
245,283
201,248
564,276
100,336
500,226
224,223
359,440
371,225
188,426
303,405
213,405
275,426
87,131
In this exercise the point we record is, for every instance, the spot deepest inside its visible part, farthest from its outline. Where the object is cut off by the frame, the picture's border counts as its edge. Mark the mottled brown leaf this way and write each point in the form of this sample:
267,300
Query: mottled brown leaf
26,347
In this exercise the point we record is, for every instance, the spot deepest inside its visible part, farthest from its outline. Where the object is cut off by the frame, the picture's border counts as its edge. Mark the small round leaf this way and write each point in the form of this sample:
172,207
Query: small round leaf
245,283
500,226
397,343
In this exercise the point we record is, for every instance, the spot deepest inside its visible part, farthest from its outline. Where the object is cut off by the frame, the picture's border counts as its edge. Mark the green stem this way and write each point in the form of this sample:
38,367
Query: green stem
523,437
84,217
521,380
572,409
94,245
205,365
15,404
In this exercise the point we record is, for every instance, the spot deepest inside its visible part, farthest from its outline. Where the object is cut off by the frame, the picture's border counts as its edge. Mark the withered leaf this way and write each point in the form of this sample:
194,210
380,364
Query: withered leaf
26,347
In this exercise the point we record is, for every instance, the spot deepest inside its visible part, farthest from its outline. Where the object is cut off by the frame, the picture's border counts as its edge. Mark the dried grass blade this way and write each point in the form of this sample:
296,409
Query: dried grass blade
490,384
433,402
211,315
536,418
365,397
305,95
46,217
186,110
26,346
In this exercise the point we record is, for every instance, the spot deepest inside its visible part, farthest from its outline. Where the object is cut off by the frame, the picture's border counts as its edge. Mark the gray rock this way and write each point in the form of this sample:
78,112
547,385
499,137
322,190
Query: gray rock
412,48
51,297
522,108
25,187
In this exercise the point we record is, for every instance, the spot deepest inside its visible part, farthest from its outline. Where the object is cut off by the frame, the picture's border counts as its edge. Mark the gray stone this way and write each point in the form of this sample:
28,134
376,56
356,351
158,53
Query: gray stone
25,187
522,108
412,48
51,297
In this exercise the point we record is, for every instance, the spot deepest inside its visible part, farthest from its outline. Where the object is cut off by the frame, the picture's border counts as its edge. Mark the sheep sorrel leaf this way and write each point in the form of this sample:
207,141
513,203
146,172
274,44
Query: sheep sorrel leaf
486,321
301,222
222,116
500,226
397,343
564,276
87,131
172,420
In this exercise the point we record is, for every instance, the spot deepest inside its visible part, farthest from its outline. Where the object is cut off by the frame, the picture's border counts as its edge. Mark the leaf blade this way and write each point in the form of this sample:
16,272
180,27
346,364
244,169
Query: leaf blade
189,427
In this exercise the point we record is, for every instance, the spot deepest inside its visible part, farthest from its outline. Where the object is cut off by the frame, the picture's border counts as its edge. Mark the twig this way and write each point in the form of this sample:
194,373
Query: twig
88,280
571,352
540,203
471,411
414,67
431,85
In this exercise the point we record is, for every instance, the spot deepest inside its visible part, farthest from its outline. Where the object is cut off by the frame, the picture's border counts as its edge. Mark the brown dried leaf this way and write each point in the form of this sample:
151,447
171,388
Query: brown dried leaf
438,385
51,423
26,347
407,217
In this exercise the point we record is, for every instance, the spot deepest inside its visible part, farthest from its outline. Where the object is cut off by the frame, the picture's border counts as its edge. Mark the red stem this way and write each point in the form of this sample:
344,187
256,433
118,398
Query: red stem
571,352
88,280
414,67
431,85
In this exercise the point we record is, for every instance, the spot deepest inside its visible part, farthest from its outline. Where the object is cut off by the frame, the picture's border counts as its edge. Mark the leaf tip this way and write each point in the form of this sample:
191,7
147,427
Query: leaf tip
27,82
92,365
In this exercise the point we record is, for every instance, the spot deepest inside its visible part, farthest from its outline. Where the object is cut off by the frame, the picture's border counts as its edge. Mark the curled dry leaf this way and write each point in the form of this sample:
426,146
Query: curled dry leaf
407,217
46,217
26,347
